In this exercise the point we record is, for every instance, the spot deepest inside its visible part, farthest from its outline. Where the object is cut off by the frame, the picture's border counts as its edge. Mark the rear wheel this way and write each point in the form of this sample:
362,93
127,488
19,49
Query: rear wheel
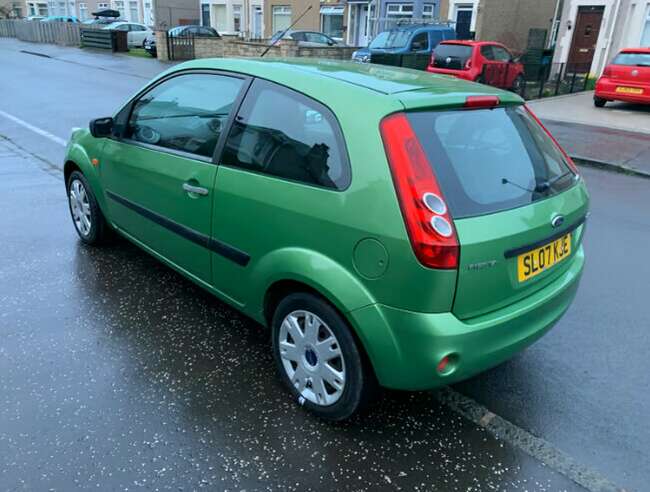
599,102
519,85
318,358
88,219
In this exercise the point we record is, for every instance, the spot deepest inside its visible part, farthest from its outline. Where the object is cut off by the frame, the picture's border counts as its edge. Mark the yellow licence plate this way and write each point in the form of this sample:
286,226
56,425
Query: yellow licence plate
629,90
541,259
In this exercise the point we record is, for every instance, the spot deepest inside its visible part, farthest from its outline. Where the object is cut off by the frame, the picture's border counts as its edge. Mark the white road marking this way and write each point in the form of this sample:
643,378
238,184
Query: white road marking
538,448
35,129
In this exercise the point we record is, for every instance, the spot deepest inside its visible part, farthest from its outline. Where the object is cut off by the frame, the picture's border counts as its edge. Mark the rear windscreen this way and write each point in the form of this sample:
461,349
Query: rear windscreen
633,59
490,159
453,56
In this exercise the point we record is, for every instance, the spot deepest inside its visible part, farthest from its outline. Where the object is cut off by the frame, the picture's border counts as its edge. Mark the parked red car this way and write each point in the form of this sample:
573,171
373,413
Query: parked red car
486,62
626,78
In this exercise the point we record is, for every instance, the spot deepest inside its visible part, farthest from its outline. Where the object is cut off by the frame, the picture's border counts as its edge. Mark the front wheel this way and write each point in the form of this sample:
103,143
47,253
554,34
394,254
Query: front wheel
599,102
318,358
88,220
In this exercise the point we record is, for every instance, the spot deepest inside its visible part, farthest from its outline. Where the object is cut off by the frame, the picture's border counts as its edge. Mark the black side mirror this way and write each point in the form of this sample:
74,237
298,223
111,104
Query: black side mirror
330,42
101,127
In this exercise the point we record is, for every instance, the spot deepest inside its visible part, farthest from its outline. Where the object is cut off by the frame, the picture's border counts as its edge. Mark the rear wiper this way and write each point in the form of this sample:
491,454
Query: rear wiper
545,185
507,181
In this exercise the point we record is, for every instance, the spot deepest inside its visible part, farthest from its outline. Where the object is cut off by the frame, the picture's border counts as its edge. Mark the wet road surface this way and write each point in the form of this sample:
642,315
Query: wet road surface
117,373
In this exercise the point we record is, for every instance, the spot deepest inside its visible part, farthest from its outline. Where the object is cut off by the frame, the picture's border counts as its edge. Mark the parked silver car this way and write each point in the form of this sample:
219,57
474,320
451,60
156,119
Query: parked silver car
307,38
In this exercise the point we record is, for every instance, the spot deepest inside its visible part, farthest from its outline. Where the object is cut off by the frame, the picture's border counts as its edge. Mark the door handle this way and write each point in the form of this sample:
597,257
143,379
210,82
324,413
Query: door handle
197,190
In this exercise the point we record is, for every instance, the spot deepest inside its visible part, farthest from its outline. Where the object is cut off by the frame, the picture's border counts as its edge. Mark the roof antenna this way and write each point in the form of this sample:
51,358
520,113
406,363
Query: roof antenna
285,31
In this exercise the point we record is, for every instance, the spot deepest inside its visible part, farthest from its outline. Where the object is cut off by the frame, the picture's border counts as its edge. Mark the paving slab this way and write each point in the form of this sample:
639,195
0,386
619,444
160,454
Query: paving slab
579,108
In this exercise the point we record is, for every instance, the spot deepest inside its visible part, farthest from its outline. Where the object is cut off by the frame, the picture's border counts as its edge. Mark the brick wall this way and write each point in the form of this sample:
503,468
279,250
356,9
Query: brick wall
233,47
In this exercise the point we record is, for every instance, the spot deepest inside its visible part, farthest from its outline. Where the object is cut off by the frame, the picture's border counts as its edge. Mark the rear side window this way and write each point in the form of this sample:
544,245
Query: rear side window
491,160
632,59
452,56
286,134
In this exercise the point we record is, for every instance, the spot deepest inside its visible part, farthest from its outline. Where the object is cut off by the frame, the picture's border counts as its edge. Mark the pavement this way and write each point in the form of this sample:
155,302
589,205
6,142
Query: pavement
616,136
117,373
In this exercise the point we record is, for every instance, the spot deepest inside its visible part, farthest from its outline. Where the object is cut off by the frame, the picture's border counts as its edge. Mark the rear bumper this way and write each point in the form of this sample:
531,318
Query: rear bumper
606,89
405,347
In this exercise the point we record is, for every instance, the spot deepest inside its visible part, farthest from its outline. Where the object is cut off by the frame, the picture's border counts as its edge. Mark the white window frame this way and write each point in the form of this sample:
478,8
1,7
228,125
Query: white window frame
277,10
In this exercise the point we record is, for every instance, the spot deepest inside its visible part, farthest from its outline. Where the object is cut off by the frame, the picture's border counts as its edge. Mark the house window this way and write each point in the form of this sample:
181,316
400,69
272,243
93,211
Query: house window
205,14
83,11
332,21
281,18
41,9
236,18
119,6
405,10
101,6
133,11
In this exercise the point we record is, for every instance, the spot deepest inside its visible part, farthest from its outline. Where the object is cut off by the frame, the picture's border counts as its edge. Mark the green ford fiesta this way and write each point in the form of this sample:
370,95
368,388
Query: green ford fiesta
391,227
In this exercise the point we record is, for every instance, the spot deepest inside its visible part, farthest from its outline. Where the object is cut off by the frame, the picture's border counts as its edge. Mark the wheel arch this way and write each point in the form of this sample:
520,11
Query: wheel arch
77,159
281,289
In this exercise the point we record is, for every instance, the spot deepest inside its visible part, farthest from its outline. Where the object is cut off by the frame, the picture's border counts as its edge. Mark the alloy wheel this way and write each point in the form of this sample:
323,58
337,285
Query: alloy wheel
312,358
80,207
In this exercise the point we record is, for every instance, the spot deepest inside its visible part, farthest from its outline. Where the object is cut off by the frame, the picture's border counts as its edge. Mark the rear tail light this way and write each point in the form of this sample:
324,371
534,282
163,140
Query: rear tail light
607,72
432,62
572,164
426,215
468,65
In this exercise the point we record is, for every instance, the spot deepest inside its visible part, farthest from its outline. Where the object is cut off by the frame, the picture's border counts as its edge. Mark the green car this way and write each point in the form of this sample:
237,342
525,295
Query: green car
392,228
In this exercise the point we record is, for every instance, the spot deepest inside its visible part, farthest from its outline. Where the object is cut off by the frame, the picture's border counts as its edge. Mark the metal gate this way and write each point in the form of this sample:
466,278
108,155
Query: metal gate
180,47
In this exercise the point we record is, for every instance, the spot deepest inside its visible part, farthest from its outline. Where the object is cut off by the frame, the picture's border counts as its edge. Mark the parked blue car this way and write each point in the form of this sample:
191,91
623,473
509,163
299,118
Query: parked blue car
405,46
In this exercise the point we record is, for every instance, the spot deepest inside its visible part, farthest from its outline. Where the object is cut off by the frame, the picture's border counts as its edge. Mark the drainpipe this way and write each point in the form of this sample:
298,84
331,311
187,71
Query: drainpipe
555,14
611,33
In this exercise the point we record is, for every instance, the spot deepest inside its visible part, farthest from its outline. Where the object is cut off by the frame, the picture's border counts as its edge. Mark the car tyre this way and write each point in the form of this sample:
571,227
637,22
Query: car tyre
87,217
301,363
599,102
519,85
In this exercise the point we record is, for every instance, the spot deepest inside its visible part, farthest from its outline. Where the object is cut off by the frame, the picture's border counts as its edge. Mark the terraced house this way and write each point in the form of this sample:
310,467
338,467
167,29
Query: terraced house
131,10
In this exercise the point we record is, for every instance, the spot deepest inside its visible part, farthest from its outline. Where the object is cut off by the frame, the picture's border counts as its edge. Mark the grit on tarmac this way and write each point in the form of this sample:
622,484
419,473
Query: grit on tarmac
118,374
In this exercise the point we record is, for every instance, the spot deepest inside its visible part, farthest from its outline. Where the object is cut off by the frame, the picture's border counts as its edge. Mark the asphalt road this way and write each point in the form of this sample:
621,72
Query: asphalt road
116,373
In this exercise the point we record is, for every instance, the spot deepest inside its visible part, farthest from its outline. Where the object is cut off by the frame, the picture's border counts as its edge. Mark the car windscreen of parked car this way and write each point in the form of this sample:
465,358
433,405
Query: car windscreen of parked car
491,160
390,40
632,59
452,56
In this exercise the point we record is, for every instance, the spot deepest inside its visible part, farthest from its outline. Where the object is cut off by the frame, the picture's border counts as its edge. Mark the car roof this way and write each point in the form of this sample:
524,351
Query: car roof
636,50
470,42
326,79
415,27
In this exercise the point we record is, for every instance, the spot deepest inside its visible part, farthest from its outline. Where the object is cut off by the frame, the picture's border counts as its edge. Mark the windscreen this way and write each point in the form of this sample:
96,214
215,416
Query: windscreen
390,40
490,160
632,59
452,56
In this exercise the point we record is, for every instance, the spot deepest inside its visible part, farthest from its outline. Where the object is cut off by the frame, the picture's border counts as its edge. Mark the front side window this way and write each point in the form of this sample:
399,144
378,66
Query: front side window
185,113
500,54
285,134
420,42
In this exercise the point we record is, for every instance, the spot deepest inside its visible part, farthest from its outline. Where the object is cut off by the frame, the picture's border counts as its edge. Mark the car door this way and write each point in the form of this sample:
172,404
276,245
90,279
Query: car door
158,170
280,170
419,52
492,71
138,33
508,69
